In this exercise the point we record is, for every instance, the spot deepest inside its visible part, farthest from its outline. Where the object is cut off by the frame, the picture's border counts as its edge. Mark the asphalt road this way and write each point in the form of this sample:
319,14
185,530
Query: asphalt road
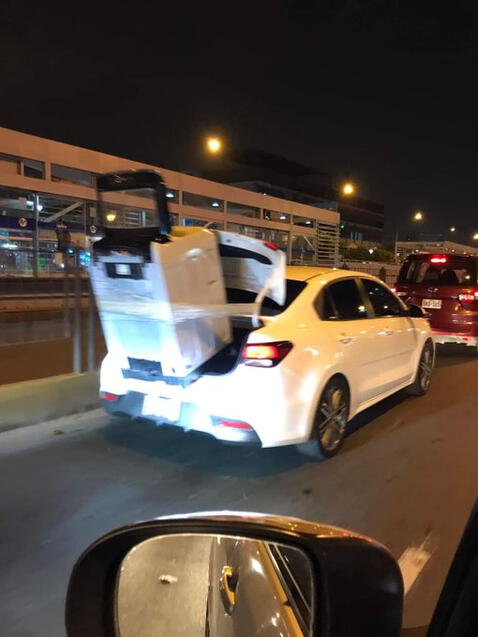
407,473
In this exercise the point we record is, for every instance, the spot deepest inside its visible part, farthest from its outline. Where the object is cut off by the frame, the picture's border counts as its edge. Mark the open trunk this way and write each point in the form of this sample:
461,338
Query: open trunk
161,292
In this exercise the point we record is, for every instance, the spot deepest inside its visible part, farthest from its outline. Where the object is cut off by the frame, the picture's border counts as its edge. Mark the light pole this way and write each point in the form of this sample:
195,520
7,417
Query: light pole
417,216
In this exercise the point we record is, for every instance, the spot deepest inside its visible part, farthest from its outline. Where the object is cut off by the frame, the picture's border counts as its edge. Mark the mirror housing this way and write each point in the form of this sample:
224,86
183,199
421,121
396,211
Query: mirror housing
415,311
358,582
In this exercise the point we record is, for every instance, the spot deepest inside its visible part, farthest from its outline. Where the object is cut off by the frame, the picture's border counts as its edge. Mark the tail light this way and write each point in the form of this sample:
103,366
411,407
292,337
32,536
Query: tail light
234,424
469,300
439,258
111,398
265,354
271,245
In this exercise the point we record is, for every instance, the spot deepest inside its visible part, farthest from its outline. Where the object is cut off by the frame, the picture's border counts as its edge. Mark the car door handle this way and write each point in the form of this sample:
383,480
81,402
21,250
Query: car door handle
227,587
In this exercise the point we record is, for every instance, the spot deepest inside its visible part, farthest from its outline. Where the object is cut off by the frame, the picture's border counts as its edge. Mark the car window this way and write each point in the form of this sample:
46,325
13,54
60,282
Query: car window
294,571
439,270
269,307
384,303
342,301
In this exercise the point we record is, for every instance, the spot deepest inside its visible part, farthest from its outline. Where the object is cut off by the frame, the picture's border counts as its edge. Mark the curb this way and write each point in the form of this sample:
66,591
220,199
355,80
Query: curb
31,402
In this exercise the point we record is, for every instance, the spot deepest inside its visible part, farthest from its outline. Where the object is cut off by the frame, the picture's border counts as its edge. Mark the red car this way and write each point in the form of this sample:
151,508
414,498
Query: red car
445,286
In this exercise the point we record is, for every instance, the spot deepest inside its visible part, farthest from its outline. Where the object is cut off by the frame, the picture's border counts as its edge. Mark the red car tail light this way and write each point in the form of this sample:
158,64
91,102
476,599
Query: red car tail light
265,354
469,300
439,259
235,424
111,398
271,245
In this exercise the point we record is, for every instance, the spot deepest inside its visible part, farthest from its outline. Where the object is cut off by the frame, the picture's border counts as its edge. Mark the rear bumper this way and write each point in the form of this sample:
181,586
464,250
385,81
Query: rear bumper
191,418
441,337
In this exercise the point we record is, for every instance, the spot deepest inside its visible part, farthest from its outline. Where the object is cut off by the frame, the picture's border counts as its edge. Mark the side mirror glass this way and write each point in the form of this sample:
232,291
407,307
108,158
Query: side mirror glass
234,574
214,585
415,311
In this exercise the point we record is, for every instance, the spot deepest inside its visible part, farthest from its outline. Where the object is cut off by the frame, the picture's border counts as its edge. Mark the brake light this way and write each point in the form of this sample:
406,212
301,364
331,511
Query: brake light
439,259
468,297
234,424
271,245
111,398
265,354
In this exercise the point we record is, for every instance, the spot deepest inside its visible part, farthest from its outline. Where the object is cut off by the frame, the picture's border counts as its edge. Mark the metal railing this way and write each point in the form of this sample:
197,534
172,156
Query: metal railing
48,323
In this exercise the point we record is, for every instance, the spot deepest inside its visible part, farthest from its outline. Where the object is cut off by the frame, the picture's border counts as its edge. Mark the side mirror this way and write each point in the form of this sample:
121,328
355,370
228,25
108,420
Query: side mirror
415,311
234,574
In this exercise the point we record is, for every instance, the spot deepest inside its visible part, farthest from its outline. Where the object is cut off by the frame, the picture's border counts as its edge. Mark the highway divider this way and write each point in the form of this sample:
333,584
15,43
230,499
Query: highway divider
36,401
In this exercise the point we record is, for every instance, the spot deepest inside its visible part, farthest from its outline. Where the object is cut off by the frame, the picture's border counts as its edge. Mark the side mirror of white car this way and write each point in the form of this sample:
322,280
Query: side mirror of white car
234,574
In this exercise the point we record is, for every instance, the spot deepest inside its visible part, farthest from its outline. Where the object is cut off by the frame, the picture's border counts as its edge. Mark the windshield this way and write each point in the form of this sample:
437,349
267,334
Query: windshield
439,271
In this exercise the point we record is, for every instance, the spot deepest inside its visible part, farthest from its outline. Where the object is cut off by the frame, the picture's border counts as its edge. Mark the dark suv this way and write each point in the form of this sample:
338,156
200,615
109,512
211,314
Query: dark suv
445,286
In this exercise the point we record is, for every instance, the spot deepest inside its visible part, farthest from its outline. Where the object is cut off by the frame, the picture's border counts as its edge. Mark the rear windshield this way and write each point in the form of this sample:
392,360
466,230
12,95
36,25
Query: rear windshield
269,307
455,271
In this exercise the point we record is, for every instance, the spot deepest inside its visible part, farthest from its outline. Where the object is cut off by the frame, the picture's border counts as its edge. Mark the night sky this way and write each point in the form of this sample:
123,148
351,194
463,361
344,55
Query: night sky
385,91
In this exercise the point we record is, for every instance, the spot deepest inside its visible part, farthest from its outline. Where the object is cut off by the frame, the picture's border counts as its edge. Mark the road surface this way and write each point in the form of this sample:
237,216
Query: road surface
407,475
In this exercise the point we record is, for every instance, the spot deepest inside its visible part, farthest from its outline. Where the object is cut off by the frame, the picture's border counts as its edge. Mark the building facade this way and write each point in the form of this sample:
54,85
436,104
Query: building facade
256,170
46,186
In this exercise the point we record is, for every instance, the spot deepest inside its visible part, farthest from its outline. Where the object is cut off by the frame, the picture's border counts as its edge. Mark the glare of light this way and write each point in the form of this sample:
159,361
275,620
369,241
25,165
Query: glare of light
348,188
256,566
283,217
452,229
214,144
215,204
475,236
10,246
418,216
308,222
170,195
110,217
39,207
371,250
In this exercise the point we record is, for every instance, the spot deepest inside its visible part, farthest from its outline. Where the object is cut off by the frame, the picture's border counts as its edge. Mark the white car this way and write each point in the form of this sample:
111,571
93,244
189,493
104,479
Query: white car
341,343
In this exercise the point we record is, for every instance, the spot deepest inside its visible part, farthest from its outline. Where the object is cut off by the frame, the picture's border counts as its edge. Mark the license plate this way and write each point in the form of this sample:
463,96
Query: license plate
167,407
431,304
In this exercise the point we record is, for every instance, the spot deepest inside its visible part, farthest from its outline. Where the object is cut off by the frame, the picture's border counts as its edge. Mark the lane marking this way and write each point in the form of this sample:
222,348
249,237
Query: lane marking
412,562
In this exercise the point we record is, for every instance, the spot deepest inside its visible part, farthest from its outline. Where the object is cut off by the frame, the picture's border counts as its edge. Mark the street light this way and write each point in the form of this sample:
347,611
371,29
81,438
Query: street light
475,236
348,189
214,145
452,229
418,216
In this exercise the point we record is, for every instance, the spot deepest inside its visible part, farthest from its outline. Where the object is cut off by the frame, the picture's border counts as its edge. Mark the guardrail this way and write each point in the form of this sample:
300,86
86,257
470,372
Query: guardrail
53,314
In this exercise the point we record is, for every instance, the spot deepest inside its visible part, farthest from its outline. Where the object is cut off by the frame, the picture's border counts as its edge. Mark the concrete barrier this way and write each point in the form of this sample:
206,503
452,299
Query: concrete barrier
32,402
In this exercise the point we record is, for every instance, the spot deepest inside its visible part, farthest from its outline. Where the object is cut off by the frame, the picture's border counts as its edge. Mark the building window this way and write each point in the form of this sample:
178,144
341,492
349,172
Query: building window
213,225
68,175
303,250
199,201
172,195
13,165
303,221
242,209
278,217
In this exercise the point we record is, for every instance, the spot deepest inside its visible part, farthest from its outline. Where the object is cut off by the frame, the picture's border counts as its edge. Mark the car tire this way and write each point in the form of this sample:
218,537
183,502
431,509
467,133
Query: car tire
421,384
330,422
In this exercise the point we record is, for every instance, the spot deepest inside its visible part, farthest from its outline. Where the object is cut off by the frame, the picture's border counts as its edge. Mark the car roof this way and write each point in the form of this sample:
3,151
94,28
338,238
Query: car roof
305,272
308,272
